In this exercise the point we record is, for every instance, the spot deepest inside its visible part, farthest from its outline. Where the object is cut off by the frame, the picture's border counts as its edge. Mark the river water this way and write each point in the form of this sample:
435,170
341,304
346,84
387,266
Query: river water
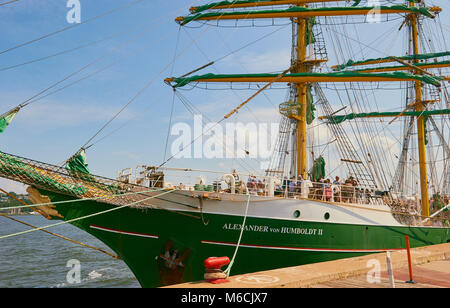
40,260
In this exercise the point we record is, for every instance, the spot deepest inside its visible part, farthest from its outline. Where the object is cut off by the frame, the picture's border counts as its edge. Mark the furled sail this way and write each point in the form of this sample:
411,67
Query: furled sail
424,56
351,116
7,118
78,163
298,11
302,77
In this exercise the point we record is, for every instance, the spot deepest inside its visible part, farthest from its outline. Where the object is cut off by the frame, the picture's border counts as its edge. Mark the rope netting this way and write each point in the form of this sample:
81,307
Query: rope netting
70,183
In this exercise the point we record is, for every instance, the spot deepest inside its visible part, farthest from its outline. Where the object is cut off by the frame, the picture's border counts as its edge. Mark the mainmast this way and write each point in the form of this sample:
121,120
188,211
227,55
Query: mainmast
300,67
419,106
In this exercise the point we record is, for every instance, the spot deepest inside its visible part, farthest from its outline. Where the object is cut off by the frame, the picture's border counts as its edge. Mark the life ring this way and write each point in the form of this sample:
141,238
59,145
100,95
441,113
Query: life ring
335,188
231,181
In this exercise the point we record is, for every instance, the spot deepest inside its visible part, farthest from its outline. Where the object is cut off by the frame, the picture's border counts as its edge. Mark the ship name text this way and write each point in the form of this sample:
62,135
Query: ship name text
267,229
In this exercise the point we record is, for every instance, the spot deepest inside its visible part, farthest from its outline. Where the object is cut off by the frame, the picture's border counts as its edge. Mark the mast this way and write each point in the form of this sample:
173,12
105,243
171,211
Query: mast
420,120
302,100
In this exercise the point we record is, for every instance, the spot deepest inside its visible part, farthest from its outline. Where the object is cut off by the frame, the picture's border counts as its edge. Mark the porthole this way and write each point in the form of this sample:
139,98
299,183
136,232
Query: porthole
297,214
326,216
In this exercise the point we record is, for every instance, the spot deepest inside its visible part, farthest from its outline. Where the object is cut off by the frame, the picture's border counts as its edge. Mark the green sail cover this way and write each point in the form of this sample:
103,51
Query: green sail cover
78,168
213,5
183,81
318,169
309,34
411,57
78,163
401,8
341,118
437,202
403,66
6,119
13,166
310,106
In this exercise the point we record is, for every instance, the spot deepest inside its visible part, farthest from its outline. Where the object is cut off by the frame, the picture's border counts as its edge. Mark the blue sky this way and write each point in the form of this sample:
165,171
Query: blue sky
54,128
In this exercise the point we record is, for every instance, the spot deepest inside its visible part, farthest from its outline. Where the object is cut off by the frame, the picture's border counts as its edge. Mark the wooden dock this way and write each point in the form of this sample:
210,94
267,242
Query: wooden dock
435,274
430,267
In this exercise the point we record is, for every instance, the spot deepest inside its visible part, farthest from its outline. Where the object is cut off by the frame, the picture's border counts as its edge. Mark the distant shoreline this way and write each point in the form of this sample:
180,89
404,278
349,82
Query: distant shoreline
20,214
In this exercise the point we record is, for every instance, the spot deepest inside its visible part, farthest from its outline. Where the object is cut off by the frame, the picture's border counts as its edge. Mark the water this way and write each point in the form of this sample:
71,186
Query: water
39,260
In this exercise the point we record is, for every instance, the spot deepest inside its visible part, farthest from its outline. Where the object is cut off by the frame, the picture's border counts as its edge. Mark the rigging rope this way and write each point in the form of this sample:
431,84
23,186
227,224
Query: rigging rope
71,49
71,26
5,3
30,100
193,110
173,96
86,145
35,98
227,115
20,201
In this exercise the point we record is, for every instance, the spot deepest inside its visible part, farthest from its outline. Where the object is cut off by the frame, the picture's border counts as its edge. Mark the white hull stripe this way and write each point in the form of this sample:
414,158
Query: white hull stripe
123,232
300,248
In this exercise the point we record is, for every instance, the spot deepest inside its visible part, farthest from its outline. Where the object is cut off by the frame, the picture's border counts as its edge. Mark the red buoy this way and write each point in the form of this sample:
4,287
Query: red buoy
216,262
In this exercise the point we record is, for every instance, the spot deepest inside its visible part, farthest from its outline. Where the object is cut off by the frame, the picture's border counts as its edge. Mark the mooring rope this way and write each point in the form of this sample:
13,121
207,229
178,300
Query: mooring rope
61,236
84,217
228,270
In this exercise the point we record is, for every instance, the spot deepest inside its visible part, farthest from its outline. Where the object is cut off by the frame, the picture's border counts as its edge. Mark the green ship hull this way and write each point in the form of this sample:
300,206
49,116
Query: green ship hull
166,247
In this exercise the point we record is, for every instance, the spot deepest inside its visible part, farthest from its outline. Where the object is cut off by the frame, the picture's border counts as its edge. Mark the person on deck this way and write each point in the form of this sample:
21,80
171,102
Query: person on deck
356,192
236,176
285,185
327,192
299,185
251,183
337,181
319,188
337,191
347,190
292,187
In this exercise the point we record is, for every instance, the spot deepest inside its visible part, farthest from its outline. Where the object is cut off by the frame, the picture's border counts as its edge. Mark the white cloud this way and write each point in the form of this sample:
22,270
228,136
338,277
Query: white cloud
258,115
51,115
128,155
9,186
258,62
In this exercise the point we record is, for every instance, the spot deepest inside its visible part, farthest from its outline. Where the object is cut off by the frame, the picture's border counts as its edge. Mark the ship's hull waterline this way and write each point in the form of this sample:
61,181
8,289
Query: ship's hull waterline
168,243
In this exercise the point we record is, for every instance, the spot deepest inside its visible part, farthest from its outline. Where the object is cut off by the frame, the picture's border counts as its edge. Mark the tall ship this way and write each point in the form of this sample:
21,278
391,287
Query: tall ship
293,212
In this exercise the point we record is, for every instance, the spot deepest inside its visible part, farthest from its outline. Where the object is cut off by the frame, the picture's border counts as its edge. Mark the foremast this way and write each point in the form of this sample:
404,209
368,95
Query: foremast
301,67
419,106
